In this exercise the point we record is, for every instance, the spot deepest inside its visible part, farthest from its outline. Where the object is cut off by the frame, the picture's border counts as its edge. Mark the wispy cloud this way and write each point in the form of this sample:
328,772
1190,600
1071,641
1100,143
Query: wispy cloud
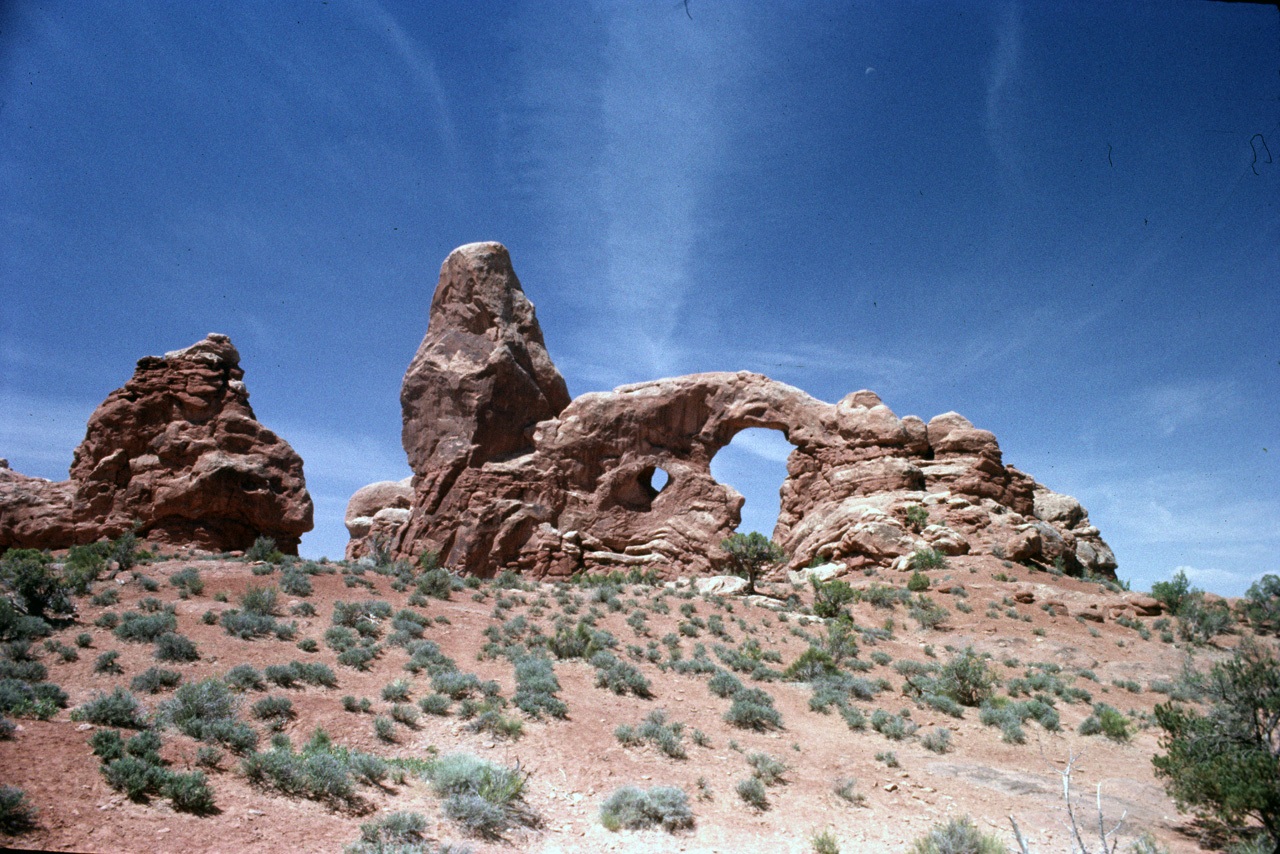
1171,406
1002,93
423,68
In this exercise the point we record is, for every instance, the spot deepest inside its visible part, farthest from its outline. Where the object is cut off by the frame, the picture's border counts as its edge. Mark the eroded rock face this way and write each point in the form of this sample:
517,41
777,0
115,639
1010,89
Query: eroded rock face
509,474
177,454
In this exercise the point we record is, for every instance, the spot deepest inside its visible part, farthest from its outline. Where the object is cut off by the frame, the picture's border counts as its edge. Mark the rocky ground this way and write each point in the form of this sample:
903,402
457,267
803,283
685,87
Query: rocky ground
1058,632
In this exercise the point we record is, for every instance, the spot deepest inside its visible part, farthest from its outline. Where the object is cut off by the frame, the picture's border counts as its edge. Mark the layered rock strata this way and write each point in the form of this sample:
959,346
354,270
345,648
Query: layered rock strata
176,455
509,474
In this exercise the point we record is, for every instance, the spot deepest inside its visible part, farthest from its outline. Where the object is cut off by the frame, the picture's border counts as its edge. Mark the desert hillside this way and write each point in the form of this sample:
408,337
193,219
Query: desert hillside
317,697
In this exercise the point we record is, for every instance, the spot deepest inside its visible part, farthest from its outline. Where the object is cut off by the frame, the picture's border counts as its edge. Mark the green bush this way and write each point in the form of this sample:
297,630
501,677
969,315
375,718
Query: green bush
145,628
172,646
207,711
245,677
1172,592
937,740
926,558
117,709
274,707
295,583
189,792
767,769
619,676
1261,605
485,799
634,808
435,704
1200,621
262,601
38,587
754,710
958,836
1224,763
154,680
918,582
188,580
966,678
752,792
135,777
263,549
399,832
536,687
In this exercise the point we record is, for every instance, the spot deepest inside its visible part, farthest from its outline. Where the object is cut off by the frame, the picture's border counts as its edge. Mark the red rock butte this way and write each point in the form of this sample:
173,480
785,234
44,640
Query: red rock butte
509,473
177,456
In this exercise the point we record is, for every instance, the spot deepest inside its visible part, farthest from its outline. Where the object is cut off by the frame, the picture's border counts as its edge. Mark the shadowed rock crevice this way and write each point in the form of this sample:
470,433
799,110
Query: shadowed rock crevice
511,474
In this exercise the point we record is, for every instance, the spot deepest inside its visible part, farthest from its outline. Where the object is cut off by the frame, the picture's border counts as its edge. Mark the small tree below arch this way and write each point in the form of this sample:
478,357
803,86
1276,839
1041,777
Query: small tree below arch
751,555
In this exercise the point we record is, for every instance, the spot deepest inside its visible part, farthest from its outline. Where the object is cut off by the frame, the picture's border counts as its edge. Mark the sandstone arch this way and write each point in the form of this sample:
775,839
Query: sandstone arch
552,486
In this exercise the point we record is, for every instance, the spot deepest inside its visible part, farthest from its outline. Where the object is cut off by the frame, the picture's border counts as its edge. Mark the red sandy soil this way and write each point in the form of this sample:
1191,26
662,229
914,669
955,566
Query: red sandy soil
576,763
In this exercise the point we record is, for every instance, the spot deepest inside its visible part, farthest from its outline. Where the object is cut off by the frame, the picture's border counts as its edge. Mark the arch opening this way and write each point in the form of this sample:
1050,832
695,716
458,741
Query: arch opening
755,463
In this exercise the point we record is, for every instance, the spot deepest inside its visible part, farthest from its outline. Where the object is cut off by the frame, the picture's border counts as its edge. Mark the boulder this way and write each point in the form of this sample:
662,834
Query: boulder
175,455
723,585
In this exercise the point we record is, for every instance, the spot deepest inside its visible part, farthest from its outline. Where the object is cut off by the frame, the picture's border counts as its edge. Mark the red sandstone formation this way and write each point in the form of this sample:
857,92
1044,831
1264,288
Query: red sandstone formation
178,456
509,474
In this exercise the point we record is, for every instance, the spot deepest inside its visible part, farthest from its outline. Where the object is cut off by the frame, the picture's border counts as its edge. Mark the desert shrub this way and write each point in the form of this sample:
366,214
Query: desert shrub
1107,721
753,709
404,713
767,769
314,773
455,684
435,582
893,727
966,678
133,776
536,687
927,613
206,711
262,601
188,581
384,729
1172,592
107,744
926,558
918,582
274,707
358,657
751,555
1261,605
917,517
958,836
368,768
831,597
485,799
244,677
145,628
435,704
619,676
295,583
7,729
396,692
655,730
248,626
106,598
308,645
189,792
937,740
263,549
634,808
40,700
752,792
724,684
154,680
1199,620
172,646
118,709
399,832
35,583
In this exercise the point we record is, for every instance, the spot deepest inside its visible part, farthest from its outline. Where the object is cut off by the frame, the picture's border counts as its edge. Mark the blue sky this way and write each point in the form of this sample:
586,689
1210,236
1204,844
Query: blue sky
1058,219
